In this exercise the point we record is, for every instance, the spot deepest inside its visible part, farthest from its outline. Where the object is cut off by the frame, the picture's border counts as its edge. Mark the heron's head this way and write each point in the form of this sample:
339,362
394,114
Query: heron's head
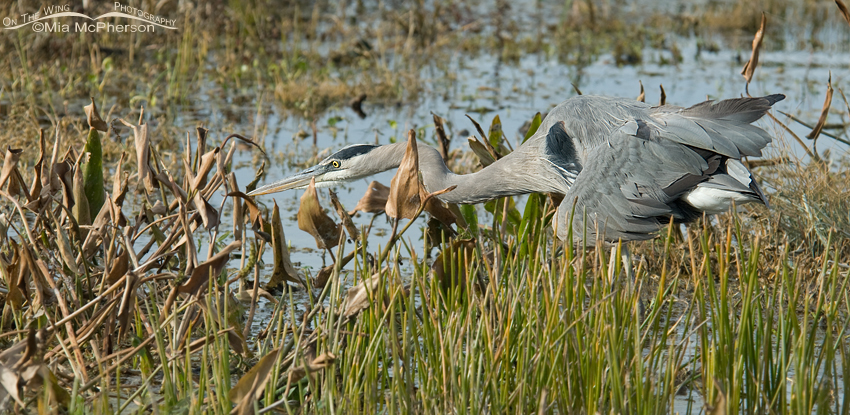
345,165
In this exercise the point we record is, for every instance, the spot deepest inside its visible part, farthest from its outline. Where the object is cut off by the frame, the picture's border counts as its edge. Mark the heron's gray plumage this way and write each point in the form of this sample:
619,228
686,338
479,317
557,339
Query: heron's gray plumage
625,166
639,161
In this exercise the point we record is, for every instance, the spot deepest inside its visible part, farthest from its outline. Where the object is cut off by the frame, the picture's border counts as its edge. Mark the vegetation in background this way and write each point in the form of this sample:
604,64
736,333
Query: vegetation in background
125,288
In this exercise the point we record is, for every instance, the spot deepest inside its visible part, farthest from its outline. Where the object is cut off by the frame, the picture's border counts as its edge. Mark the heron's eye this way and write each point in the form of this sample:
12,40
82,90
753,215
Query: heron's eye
335,164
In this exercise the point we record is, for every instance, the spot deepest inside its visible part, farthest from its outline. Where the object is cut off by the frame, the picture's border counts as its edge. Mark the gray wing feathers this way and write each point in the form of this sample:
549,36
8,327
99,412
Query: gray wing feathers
749,140
679,158
723,127
741,110
641,160
623,192
683,130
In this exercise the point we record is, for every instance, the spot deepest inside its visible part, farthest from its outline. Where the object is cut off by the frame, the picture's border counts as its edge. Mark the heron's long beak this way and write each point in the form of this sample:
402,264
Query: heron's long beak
296,181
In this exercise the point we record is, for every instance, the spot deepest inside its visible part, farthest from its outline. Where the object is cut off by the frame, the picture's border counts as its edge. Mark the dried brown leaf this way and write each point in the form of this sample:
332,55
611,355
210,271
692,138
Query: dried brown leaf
63,178
248,295
32,273
12,355
484,157
359,296
320,362
824,112
406,193
187,239
253,382
443,141
17,185
750,66
477,126
64,243
254,214
439,211
10,163
128,301
202,141
57,392
71,155
843,8
35,376
9,380
189,177
120,265
718,407
108,213
257,177
159,209
283,269
29,352
451,267
236,339
313,219
13,362
356,105
222,161
81,204
93,117
39,170
50,178
209,216
211,267
178,192
375,199
143,155
207,163
323,276
14,277
353,233
238,216
490,150
575,88
96,322
437,231
119,185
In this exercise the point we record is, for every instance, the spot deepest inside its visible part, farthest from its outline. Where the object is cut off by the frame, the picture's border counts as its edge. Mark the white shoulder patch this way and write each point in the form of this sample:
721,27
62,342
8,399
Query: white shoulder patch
630,128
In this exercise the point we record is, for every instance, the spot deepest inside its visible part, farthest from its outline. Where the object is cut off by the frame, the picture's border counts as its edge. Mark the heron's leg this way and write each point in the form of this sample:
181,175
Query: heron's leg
626,258
627,262
629,268
612,265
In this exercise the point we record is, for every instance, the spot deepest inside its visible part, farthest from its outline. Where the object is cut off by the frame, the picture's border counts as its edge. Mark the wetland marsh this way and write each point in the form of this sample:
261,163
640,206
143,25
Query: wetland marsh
108,306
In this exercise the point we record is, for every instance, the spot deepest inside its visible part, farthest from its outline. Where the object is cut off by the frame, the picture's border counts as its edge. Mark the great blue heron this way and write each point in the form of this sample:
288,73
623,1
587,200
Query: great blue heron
626,166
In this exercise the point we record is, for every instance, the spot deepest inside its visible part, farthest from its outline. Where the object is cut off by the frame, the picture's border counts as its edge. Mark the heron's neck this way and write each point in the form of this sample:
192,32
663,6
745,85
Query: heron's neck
505,177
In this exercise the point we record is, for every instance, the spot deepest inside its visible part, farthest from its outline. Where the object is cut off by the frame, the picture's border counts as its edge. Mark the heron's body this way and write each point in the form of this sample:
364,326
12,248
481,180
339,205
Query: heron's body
626,166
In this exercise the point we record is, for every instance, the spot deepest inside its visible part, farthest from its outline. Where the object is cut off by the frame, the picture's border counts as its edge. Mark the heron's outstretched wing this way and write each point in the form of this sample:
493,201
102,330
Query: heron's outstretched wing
721,127
629,188
632,181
